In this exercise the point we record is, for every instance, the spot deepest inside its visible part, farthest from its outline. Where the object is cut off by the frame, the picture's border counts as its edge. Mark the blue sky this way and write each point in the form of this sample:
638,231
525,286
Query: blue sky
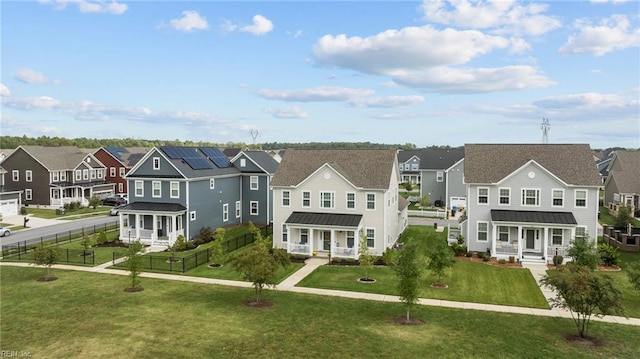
427,73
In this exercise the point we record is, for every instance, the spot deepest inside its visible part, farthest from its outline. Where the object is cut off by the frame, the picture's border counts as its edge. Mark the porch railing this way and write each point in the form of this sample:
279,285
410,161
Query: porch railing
506,248
344,252
300,248
557,250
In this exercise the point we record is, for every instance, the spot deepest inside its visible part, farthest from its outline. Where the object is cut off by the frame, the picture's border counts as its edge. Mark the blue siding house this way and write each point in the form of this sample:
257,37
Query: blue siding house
256,203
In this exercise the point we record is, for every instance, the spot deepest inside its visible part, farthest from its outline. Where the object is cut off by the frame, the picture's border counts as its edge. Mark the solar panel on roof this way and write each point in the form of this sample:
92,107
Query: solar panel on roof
180,152
198,163
216,156
116,151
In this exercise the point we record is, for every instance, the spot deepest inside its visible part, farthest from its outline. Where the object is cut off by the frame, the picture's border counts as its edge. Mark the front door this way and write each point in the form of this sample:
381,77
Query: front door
531,239
326,240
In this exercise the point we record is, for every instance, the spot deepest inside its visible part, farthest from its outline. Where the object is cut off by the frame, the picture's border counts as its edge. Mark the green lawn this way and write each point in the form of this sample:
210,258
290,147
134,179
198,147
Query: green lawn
88,315
85,212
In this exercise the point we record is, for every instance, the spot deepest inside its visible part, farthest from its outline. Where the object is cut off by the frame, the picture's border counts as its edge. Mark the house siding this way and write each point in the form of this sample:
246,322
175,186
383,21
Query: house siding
261,195
455,182
208,203
21,161
109,161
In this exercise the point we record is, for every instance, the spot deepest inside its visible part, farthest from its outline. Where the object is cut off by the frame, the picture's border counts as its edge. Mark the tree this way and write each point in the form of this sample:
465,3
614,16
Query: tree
366,258
177,246
259,264
94,201
407,268
633,272
408,186
582,292
217,249
584,253
425,201
46,256
87,242
440,258
134,265
623,219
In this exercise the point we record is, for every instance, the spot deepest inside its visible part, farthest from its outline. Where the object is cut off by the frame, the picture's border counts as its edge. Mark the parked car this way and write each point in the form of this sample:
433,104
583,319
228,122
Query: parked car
114,211
113,201
4,231
123,195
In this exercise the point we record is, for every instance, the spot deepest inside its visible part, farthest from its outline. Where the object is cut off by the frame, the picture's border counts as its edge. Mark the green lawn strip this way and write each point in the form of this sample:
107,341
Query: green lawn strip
51,213
467,281
226,272
607,218
84,315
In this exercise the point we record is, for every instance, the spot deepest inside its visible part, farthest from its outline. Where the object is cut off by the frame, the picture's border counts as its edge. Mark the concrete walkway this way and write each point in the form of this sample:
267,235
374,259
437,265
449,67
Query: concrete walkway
288,285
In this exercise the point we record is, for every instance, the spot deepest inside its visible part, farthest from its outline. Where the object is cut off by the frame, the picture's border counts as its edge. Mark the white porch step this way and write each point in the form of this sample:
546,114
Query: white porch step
532,259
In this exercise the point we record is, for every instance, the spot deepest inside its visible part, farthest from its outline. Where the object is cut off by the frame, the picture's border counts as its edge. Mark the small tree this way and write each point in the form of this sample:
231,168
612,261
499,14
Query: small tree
134,264
407,268
584,253
623,218
177,246
408,186
87,242
259,264
102,237
609,255
633,272
581,291
366,258
425,201
46,256
440,258
94,201
217,249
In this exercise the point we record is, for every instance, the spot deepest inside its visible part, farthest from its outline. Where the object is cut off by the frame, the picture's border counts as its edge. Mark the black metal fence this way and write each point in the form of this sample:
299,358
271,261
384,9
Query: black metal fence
75,256
24,247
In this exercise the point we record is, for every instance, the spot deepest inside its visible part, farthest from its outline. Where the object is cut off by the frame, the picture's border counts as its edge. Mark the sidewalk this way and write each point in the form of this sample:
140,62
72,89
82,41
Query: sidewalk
34,222
288,285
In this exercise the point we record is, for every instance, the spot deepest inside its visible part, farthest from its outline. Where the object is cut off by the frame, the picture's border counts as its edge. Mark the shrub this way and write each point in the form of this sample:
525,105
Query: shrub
23,211
624,217
502,261
584,253
179,245
101,238
512,259
609,254
557,260
485,257
206,234
387,257
190,245
469,254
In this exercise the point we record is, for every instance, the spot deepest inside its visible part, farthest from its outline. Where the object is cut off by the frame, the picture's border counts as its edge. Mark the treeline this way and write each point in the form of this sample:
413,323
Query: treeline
11,142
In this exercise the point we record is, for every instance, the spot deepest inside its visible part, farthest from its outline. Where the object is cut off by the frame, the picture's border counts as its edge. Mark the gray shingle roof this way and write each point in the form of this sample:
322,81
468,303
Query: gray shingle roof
439,158
628,177
371,168
263,160
154,207
500,215
490,163
325,219
58,158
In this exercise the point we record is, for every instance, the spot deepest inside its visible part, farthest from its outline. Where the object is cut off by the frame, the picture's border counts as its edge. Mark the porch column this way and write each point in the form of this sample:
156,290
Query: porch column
545,246
137,226
310,241
154,234
520,242
356,244
494,228
120,224
332,242
289,238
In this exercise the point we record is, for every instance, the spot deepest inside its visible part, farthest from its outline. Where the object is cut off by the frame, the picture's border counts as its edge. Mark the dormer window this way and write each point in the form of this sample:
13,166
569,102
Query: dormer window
156,163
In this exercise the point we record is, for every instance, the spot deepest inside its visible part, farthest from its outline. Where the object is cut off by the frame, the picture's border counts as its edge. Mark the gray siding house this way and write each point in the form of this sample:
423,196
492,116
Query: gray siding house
256,169
622,186
529,200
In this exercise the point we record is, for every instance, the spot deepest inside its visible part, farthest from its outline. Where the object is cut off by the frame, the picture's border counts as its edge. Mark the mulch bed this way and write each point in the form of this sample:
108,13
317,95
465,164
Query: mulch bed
439,285
491,262
214,265
366,280
114,244
601,268
411,321
586,342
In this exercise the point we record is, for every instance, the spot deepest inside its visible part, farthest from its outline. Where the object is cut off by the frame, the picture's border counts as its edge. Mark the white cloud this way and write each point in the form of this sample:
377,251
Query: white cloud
32,77
502,16
32,103
389,101
190,21
286,112
314,94
613,33
260,26
89,6
4,90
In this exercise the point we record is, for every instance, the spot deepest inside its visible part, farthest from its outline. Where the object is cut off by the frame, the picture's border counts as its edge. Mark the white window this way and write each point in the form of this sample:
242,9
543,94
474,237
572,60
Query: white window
192,215
581,232
306,199
63,176
85,174
285,233
253,208
15,175
55,176
243,162
156,163
112,171
99,173
439,176
93,173
530,197
156,191
286,198
304,236
482,231
351,200
414,166
139,189
503,233
174,189
78,175
371,201
557,197
120,187
371,237
556,237
254,183
483,195
122,171
581,198
351,238
212,183
326,199
238,209
505,196
28,175
27,194
225,212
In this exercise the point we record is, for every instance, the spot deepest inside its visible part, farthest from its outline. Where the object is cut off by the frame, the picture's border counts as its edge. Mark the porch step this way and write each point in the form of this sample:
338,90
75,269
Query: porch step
532,259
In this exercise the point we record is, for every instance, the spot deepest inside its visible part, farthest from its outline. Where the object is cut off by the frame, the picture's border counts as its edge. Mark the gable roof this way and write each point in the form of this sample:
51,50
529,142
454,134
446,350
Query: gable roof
370,168
440,158
58,158
406,155
188,171
262,159
128,156
627,171
490,163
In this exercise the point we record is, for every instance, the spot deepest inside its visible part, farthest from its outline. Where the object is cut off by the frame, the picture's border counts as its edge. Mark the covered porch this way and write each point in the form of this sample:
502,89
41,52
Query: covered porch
326,234
66,192
533,236
152,223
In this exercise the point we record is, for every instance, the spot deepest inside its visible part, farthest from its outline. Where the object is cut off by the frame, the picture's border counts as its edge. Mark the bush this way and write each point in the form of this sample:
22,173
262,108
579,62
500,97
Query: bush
512,259
206,234
23,211
609,254
179,245
502,261
458,249
387,257
557,260
485,257
101,238
469,254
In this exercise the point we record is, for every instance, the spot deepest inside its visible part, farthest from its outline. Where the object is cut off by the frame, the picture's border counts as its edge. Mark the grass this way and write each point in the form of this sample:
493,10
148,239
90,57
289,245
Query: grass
607,218
89,315
75,214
